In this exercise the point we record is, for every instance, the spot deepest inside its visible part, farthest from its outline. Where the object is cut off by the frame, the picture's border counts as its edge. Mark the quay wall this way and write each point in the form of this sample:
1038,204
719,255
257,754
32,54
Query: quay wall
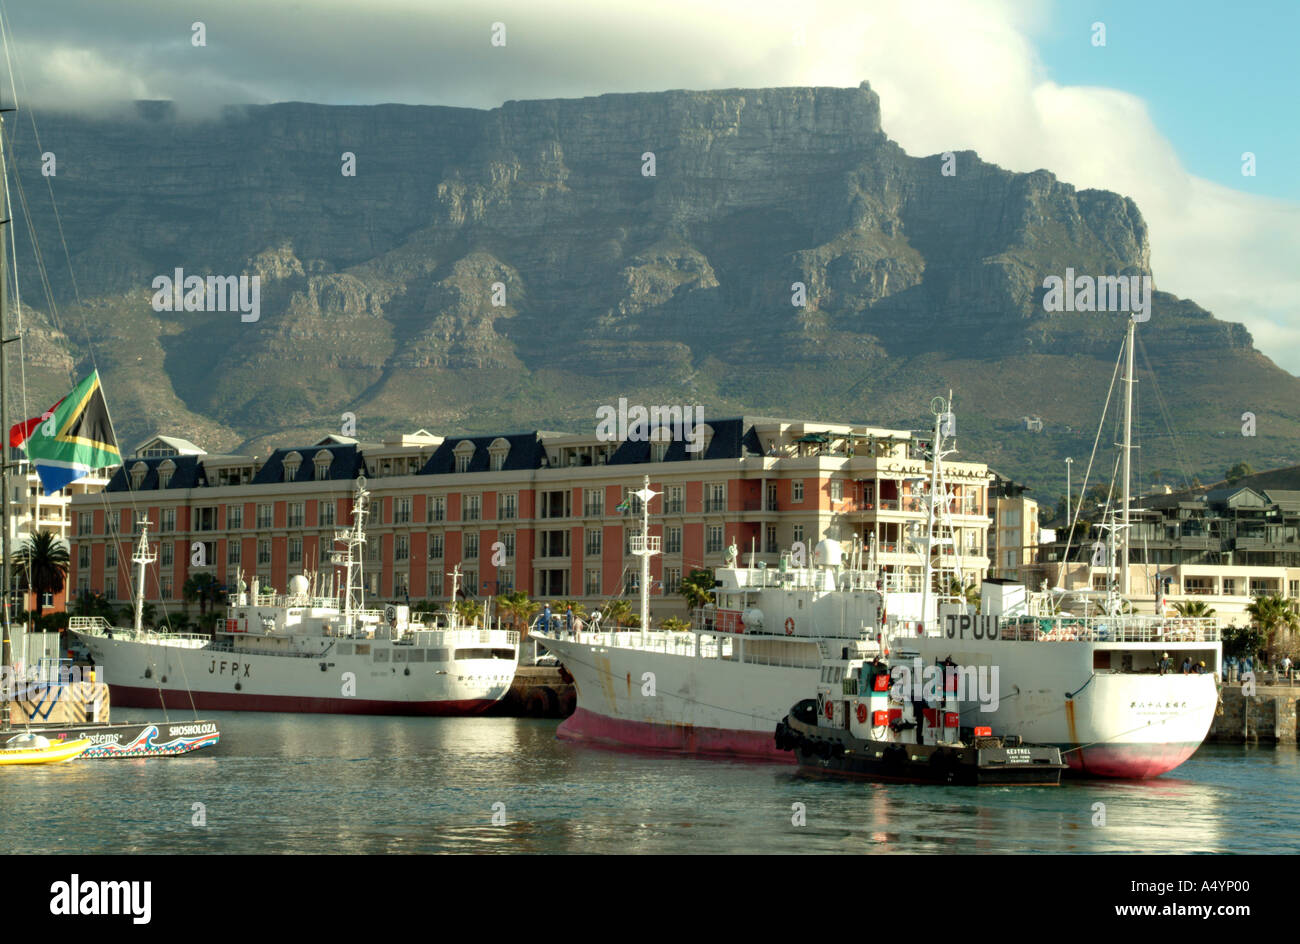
1267,717
538,691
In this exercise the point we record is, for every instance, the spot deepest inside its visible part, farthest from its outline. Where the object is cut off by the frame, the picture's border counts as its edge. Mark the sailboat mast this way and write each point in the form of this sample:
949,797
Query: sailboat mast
6,654
1128,455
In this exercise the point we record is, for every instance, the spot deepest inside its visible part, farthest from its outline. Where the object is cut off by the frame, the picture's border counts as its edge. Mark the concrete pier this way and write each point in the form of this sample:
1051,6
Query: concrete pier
1267,717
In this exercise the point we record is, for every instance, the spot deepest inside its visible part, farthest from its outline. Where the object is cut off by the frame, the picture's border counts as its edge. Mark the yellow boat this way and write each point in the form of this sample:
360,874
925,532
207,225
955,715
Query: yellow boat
35,749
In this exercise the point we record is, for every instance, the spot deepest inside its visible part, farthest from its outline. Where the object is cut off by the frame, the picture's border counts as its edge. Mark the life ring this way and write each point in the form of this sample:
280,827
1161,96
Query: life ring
789,625
830,709
862,713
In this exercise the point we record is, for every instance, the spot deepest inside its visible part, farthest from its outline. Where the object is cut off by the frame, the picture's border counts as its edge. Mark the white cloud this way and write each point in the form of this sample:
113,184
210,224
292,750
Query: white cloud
951,74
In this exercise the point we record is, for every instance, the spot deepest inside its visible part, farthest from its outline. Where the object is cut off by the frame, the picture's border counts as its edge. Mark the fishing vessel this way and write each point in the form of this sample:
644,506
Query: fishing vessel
1091,685
870,721
310,648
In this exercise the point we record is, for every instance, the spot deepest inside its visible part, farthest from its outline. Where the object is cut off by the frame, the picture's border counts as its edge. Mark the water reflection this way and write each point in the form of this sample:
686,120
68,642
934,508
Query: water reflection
284,783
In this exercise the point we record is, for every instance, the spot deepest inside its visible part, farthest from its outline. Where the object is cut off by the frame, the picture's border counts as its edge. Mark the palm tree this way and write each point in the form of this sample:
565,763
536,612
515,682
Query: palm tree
674,624
559,606
202,588
518,608
619,612
1194,608
468,611
1274,613
43,557
697,587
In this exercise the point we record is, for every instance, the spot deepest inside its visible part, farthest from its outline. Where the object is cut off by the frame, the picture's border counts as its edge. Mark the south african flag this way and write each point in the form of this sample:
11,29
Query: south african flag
74,439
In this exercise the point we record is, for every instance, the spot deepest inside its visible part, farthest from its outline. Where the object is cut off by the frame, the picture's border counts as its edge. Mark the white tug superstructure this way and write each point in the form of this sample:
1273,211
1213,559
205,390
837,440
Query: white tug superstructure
310,649
1091,685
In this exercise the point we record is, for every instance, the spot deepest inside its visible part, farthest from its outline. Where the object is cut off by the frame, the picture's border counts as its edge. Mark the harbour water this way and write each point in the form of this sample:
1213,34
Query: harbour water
321,784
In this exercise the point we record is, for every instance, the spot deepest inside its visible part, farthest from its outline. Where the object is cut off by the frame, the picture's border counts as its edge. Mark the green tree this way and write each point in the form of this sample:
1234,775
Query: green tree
1238,472
1194,609
43,559
202,589
468,612
1242,641
1273,615
618,612
518,609
697,587
674,624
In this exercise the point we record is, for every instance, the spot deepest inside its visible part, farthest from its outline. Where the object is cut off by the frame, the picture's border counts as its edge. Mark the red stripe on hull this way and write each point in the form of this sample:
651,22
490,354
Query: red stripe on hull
589,728
129,697
1127,761
1120,761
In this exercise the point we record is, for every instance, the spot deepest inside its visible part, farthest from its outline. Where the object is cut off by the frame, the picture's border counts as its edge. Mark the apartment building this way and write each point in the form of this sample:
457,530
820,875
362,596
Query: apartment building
1014,532
31,510
1222,547
545,512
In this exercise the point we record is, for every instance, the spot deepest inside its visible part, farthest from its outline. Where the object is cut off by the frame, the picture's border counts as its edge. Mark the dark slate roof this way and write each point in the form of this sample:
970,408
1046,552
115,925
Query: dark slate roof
348,463
732,439
188,474
526,452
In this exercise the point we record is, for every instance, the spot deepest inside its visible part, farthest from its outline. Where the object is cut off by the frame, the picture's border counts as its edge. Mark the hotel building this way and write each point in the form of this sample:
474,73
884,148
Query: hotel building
546,513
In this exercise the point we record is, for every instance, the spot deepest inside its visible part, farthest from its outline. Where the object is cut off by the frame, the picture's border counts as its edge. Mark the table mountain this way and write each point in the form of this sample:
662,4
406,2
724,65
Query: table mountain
377,290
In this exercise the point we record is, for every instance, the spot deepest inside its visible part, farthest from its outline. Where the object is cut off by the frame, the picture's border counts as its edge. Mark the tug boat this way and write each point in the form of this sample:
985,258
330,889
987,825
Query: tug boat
30,748
865,724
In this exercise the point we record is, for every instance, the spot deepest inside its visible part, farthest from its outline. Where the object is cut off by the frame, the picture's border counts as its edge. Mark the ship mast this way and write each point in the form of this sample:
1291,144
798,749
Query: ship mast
1128,453
938,407
142,558
351,556
644,546
6,654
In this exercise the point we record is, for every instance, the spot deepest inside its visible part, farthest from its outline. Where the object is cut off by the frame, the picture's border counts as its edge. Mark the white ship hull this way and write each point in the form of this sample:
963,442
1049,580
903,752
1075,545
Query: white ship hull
1115,725
150,675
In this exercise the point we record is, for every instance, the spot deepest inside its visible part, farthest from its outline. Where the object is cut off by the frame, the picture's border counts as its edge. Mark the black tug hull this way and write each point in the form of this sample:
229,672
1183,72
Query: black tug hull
831,752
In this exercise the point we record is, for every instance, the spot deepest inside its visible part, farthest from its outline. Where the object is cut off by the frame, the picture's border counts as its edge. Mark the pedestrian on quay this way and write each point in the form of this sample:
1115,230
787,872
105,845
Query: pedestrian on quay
1286,667
546,618
1164,664
1187,665
1245,666
568,621
1229,667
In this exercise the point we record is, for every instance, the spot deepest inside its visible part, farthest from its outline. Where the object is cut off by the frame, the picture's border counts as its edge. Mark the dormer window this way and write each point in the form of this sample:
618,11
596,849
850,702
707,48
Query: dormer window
464,452
137,475
165,471
292,462
498,452
323,459
702,434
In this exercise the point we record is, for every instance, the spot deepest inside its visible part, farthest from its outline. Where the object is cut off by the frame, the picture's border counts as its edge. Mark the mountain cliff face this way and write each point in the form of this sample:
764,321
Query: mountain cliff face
516,268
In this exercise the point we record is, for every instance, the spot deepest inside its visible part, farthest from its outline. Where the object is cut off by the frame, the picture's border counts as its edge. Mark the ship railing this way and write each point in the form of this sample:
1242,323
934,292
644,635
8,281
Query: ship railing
1111,629
801,578
91,625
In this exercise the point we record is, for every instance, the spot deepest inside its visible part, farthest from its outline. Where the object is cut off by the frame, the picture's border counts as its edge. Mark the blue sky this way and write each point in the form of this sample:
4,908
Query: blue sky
1218,79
